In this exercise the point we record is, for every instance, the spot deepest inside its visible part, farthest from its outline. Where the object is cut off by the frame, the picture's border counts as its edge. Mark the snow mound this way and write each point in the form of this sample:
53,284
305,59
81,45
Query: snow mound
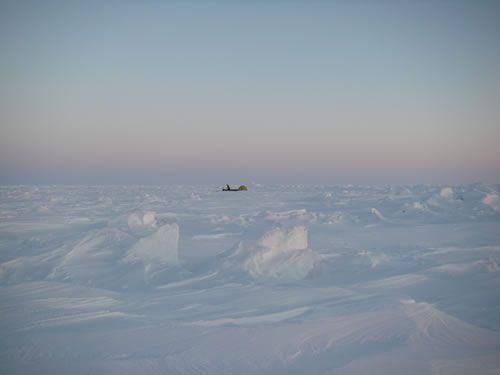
447,193
445,198
146,220
149,219
436,331
294,239
492,200
281,254
157,249
418,206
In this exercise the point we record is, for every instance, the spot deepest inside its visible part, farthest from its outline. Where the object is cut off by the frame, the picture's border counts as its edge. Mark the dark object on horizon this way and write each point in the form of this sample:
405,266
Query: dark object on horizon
241,188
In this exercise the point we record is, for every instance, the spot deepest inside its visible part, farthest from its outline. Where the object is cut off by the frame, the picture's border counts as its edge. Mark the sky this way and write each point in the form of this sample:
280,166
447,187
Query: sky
334,92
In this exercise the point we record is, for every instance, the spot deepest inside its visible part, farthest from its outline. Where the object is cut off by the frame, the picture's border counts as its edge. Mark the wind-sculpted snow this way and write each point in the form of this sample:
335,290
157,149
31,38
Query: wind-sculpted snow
157,249
275,280
157,253
95,259
281,255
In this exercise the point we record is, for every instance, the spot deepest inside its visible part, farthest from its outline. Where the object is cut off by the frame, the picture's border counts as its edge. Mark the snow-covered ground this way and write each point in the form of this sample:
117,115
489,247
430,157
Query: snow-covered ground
279,279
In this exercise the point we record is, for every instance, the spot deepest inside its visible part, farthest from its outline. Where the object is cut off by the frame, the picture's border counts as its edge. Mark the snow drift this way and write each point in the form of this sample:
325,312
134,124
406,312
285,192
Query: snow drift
95,259
279,254
157,250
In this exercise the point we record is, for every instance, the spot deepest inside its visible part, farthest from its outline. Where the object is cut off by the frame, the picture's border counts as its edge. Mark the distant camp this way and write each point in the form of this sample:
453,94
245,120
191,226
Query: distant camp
228,188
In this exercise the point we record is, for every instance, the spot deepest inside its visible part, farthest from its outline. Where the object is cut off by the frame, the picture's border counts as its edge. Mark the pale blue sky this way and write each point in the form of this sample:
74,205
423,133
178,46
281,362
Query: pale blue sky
271,91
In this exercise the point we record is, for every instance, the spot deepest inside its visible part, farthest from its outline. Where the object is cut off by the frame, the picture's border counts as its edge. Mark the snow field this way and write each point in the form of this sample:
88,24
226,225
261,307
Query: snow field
276,280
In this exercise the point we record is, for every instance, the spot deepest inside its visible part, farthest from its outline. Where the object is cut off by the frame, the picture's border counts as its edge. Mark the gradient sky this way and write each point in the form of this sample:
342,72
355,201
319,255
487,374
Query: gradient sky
265,91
